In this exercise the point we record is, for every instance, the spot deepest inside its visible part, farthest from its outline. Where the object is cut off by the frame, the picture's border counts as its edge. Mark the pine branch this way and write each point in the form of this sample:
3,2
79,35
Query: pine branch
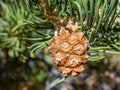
37,20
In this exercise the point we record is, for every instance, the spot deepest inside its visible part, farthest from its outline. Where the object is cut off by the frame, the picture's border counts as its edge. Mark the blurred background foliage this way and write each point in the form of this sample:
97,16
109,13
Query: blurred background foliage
27,27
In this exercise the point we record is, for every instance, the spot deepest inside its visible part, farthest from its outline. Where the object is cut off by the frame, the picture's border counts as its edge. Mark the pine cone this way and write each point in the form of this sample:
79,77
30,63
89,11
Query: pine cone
70,50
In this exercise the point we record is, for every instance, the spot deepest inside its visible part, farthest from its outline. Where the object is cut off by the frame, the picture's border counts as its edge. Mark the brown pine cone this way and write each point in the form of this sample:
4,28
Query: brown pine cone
70,50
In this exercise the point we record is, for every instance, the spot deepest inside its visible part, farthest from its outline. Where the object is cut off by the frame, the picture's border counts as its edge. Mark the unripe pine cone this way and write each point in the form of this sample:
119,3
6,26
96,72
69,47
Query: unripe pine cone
70,50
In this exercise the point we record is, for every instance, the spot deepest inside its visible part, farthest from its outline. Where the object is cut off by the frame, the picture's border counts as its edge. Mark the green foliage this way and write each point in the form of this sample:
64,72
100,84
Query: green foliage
17,26
39,37
13,28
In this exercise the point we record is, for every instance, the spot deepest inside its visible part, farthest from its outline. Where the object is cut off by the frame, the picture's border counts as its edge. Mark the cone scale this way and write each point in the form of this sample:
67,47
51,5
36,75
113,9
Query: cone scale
69,50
